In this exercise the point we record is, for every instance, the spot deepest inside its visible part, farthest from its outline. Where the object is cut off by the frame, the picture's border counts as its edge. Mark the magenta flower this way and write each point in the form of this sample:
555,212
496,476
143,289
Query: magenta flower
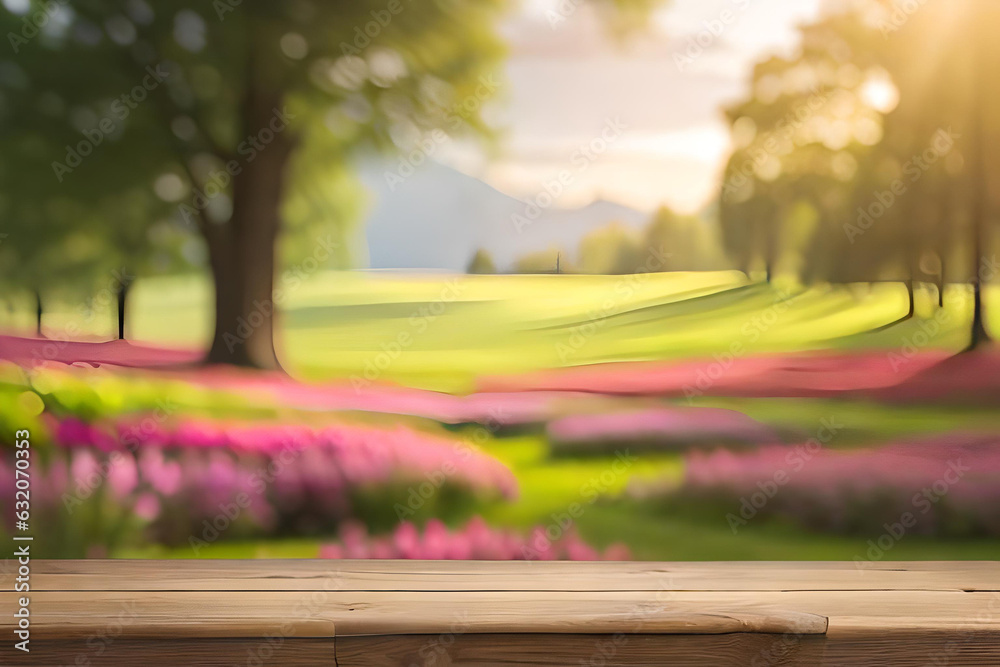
147,506
123,475
475,541
859,490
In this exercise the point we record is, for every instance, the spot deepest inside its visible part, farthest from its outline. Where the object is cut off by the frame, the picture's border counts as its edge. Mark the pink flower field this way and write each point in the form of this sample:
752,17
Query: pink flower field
185,482
951,485
475,541
658,429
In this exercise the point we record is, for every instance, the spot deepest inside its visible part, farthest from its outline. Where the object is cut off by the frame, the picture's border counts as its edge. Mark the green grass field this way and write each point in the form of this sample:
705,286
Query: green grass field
441,332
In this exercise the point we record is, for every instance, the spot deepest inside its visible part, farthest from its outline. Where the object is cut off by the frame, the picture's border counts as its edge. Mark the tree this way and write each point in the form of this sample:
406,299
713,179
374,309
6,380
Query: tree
136,243
895,165
482,263
611,250
942,142
246,102
552,260
37,264
683,243
800,137
227,97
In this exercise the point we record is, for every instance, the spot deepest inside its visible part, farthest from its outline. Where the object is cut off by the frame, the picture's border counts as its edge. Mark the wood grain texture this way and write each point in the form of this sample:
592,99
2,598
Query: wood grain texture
431,614
164,614
120,652
348,575
737,650
579,650
241,614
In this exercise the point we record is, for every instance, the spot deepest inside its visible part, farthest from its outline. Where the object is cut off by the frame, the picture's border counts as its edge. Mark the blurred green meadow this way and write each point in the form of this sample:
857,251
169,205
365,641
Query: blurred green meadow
731,309
441,331
445,333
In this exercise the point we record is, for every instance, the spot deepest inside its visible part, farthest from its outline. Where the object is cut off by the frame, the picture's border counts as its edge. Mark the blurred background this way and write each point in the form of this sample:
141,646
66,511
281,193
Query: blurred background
549,279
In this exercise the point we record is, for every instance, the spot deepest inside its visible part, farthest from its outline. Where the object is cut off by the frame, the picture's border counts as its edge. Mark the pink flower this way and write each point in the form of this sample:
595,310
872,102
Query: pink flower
123,475
72,432
162,475
85,470
331,551
617,552
474,542
147,506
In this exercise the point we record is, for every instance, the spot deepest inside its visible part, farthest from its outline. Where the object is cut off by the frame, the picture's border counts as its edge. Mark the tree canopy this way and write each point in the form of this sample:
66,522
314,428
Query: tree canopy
235,119
870,154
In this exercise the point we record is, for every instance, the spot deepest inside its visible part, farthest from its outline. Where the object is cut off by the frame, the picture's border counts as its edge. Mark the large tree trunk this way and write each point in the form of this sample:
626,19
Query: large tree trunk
242,252
122,294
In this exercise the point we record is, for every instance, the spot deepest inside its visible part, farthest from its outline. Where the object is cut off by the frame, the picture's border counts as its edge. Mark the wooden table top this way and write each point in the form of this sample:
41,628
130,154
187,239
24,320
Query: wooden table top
527,609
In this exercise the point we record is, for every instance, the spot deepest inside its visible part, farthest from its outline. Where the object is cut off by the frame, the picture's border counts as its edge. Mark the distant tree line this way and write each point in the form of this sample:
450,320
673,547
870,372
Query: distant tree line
871,155
669,242
874,153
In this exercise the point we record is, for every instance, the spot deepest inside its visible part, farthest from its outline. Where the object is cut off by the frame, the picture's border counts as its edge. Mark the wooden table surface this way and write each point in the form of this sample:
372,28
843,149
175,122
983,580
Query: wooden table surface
433,613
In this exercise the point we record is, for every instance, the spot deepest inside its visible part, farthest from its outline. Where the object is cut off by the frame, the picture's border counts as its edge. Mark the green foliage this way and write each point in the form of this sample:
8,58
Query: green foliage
613,250
123,117
683,243
861,158
482,263
800,137
235,120
670,242
552,260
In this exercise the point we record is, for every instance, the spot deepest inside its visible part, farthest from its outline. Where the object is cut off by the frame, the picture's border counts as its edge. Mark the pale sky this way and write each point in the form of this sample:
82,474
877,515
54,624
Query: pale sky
565,80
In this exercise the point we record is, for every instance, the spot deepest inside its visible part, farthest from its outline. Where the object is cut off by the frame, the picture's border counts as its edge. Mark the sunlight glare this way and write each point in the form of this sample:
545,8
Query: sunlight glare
880,94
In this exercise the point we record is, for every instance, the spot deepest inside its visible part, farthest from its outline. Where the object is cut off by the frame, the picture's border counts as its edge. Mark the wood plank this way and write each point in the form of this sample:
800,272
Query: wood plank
124,652
494,613
737,650
847,611
164,614
564,651
233,614
352,575
539,650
